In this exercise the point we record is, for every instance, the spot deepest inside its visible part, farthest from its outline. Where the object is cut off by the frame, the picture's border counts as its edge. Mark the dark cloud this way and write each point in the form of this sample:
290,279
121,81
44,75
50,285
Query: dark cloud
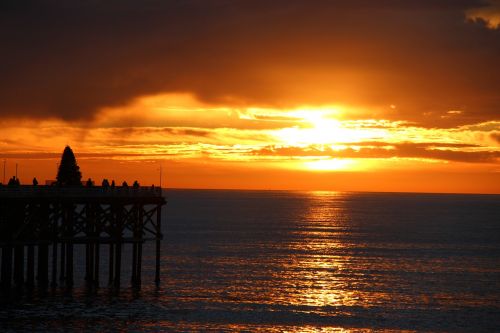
128,131
405,150
189,132
69,59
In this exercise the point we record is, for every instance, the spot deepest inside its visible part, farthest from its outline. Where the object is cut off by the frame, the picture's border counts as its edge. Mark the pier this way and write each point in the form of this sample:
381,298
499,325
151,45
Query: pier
40,225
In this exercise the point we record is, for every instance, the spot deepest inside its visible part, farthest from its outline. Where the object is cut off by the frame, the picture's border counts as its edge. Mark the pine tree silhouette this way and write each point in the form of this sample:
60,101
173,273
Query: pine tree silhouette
69,172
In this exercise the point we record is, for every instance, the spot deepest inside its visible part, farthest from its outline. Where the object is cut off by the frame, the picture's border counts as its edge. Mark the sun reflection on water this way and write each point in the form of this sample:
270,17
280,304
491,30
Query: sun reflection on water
320,265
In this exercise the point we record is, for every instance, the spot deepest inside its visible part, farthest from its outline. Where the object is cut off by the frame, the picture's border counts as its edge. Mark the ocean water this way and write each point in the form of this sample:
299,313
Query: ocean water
281,261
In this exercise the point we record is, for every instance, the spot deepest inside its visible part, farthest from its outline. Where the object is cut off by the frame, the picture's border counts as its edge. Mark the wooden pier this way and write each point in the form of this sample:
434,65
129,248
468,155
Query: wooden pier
45,222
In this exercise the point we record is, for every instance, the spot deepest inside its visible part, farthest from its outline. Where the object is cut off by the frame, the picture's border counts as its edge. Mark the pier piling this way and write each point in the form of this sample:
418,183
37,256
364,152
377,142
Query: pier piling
30,266
19,265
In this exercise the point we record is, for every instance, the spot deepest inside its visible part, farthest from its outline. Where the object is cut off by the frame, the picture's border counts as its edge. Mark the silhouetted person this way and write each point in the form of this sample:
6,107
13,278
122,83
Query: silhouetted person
105,183
12,181
69,172
135,185
89,183
35,182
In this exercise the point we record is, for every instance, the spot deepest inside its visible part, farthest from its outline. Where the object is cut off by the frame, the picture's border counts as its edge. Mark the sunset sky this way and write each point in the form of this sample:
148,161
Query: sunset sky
353,95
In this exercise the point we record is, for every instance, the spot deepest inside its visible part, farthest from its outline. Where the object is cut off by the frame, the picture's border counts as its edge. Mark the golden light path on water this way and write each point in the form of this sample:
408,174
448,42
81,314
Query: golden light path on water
321,265
332,290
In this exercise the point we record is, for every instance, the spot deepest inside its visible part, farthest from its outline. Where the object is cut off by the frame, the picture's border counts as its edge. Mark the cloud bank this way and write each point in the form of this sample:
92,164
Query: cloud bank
69,60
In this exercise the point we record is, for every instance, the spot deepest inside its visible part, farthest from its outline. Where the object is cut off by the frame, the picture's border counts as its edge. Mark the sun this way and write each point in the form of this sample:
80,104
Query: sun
330,164
322,127
324,130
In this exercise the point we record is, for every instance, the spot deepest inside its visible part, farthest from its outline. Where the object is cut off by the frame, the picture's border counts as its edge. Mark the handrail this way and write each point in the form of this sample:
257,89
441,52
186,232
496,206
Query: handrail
24,191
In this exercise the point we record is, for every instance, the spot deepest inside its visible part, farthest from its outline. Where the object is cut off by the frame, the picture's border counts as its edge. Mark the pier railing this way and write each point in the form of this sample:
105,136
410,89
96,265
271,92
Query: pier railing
28,191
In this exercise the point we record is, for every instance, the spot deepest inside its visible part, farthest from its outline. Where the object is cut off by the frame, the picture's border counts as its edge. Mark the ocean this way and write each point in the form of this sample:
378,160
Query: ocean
285,261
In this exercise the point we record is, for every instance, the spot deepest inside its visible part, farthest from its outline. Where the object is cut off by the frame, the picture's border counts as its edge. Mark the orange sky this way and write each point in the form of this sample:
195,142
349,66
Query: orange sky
348,96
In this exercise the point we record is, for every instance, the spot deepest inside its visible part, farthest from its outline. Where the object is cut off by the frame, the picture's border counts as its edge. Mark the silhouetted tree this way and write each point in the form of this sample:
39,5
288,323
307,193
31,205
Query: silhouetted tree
35,181
124,184
113,184
105,183
136,184
69,172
